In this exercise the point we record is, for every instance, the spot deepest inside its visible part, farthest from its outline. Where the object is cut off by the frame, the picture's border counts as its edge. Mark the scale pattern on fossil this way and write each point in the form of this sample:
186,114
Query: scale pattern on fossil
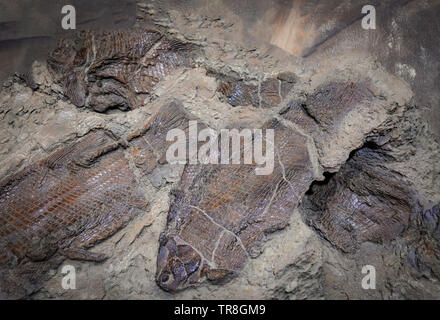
424,244
59,207
267,93
362,202
331,101
116,69
148,145
221,214
327,106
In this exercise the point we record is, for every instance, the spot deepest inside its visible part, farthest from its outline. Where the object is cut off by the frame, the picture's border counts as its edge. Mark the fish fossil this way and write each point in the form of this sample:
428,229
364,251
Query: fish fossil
218,218
220,214
60,206
267,93
64,204
361,202
116,69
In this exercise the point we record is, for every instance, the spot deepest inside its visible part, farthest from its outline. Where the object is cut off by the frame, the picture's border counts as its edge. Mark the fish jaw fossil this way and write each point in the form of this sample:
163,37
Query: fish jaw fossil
178,264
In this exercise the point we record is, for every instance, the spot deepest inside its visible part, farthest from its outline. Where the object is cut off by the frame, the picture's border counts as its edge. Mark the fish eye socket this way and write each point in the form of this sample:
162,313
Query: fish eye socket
164,278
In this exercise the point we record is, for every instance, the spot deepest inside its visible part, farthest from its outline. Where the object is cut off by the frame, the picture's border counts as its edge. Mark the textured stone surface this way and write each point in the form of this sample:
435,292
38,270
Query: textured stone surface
350,90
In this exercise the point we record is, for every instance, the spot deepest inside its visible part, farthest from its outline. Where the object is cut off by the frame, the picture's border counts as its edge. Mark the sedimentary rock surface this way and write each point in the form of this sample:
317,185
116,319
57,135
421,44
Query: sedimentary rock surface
345,121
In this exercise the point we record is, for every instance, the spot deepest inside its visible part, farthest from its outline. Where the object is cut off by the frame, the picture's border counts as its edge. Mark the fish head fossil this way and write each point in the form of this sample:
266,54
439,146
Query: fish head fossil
63,54
178,265
69,54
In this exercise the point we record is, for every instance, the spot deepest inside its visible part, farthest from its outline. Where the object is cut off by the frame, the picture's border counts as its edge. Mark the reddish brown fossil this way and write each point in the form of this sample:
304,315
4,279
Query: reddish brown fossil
116,69
267,93
351,215
149,144
76,197
221,213
60,206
